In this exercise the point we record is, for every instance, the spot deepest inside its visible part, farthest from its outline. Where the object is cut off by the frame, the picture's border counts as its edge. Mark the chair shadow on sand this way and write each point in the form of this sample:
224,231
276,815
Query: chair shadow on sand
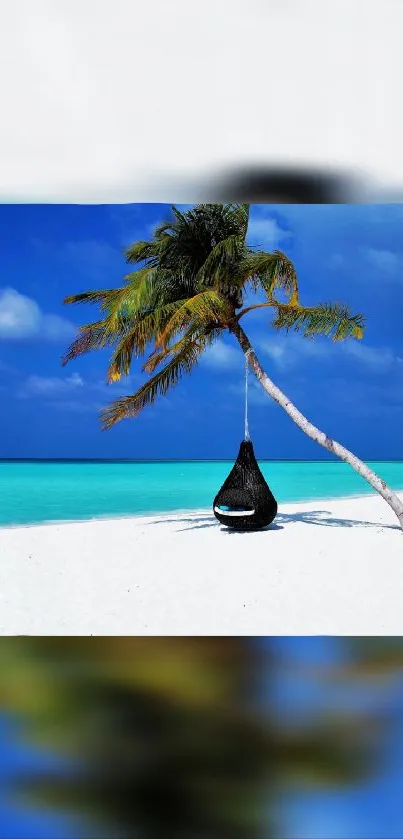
320,518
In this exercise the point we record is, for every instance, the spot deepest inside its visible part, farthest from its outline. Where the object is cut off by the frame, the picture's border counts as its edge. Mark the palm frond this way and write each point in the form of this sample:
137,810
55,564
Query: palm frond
179,216
137,298
120,305
206,307
216,270
269,271
110,299
122,357
93,336
246,311
140,251
337,748
240,214
139,291
327,319
142,331
132,318
201,336
102,296
167,378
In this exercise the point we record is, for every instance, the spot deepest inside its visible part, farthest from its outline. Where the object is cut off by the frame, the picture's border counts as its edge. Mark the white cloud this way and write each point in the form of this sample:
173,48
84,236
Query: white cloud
76,406
56,328
19,315
277,351
222,356
128,384
264,231
75,380
50,386
289,351
73,392
21,319
377,359
383,260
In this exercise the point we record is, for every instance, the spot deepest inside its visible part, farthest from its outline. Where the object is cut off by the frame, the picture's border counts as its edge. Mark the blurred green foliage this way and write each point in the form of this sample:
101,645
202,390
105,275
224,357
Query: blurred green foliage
182,737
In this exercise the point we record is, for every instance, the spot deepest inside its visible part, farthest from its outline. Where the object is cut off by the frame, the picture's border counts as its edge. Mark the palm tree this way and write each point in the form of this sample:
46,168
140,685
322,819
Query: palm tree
189,288
167,738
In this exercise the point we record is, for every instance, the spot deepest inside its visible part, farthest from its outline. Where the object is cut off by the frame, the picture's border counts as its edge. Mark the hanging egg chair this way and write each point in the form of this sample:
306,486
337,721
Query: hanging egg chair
245,501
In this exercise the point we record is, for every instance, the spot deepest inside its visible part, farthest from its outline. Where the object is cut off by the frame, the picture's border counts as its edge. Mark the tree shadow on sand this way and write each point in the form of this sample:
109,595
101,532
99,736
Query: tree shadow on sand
323,518
320,518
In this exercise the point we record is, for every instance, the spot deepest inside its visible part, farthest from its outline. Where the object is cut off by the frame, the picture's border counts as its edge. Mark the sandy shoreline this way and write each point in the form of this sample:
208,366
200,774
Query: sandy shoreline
333,566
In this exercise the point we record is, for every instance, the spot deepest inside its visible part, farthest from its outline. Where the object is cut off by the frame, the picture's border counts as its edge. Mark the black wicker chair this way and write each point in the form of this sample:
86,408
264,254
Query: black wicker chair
245,495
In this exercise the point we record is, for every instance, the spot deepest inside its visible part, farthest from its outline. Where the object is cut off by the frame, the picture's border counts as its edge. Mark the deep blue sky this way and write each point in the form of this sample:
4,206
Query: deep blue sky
353,254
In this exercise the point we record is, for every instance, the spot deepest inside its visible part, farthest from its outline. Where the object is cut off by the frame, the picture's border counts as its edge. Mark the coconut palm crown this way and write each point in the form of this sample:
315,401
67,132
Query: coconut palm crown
190,286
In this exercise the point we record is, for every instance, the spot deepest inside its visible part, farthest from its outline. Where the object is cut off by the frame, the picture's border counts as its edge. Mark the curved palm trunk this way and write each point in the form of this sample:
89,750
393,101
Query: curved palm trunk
314,433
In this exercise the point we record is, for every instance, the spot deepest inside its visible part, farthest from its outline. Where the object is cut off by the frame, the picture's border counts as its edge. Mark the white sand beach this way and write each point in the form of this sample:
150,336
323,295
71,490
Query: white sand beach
323,567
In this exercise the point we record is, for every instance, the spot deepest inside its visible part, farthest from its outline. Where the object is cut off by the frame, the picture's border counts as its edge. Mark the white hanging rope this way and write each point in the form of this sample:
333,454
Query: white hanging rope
247,437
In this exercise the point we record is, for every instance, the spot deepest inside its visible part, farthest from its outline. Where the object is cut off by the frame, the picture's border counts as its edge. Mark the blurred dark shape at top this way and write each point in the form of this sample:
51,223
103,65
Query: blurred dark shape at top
282,185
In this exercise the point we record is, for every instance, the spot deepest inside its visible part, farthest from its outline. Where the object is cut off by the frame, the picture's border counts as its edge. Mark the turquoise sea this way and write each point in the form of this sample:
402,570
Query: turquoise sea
45,491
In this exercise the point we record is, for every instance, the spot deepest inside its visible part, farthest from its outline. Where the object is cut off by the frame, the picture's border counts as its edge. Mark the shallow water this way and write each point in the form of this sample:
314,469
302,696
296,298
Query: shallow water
33,492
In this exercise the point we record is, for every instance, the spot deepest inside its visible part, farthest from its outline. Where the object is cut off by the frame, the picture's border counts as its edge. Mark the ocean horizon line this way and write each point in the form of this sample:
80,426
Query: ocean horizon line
184,460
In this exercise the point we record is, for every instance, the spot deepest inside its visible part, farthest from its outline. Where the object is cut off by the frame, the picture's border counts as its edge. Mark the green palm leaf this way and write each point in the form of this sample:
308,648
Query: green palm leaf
104,297
328,319
206,307
93,336
142,331
200,335
216,270
130,406
269,271
140,251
